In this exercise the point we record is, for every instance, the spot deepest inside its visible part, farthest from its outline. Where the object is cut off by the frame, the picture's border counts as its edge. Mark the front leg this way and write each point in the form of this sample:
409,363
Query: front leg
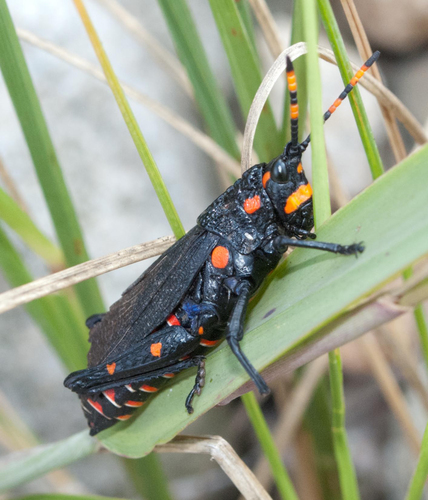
281,243
235,332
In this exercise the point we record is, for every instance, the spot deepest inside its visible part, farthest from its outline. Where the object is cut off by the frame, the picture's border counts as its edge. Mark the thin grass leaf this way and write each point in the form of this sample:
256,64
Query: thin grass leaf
148,477
27,106
62,324
244,10
210,100
317,420
279,472
420,475
131,122
20,222
321,198
63,496
246,74
338,46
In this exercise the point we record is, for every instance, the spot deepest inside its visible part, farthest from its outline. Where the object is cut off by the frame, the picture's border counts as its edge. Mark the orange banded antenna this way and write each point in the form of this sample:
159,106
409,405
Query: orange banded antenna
294,106
347,90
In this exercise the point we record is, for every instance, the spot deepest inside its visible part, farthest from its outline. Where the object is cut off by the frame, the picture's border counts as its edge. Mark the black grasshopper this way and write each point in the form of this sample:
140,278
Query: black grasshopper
197,292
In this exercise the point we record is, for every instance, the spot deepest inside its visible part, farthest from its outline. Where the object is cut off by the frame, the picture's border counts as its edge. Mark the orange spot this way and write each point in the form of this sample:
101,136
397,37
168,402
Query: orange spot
111,368
299,168
364,68
155,349
172,320
134,404
299,196
123,417
220,257
291,80
251,205
294,109
148,388
168,375
359,73
354,81
337,103
332,108
266,177
209,343
201,330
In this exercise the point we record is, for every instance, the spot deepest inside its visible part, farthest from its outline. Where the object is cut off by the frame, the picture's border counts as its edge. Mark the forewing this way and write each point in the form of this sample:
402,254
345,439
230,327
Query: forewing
152,297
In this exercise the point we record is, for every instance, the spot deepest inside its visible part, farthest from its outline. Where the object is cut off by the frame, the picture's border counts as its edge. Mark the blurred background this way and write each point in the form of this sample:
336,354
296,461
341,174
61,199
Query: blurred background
117,208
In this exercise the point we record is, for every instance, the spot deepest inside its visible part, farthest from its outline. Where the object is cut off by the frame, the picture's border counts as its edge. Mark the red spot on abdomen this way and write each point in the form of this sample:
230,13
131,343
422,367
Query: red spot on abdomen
220,257
148,388
172,320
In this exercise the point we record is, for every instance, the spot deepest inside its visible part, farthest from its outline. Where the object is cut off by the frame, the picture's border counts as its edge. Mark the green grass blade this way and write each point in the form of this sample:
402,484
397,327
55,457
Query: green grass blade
308,280
210,100
321,197
63,496
317,420
131,122
282,479
420,475
54,314
148,477
20,222
246,74
27,106
43,459
354,97
245,12
347,476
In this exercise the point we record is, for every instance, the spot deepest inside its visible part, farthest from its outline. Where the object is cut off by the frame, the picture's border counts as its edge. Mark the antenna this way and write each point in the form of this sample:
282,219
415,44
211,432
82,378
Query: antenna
355,79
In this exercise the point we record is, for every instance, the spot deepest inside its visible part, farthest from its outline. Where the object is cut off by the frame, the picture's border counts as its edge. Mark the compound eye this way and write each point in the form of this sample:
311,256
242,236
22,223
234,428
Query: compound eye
280,173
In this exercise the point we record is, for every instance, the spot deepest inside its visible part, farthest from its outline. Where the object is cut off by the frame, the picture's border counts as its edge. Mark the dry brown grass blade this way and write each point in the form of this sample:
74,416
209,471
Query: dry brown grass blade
63,279
221,451
168,60
365,51
268,26
292,415
383,95
203,141
390,389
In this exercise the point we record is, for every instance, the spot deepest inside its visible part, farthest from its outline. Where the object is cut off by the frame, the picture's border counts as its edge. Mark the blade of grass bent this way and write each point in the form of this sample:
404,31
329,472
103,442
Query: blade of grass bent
419,477
28,109
20,222
354,97
131,122
211,102
246,74
320,283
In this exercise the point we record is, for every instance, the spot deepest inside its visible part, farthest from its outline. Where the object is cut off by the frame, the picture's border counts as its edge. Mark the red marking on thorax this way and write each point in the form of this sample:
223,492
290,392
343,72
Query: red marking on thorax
111,368
302,194
251,205
155,349
220,257
208,343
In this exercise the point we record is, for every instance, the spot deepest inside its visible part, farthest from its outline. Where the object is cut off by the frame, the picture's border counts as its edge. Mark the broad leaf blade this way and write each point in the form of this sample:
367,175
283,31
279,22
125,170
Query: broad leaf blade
308,290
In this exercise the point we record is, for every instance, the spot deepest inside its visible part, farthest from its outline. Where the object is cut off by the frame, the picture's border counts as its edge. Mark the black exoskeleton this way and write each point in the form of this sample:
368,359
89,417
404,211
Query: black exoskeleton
197,292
